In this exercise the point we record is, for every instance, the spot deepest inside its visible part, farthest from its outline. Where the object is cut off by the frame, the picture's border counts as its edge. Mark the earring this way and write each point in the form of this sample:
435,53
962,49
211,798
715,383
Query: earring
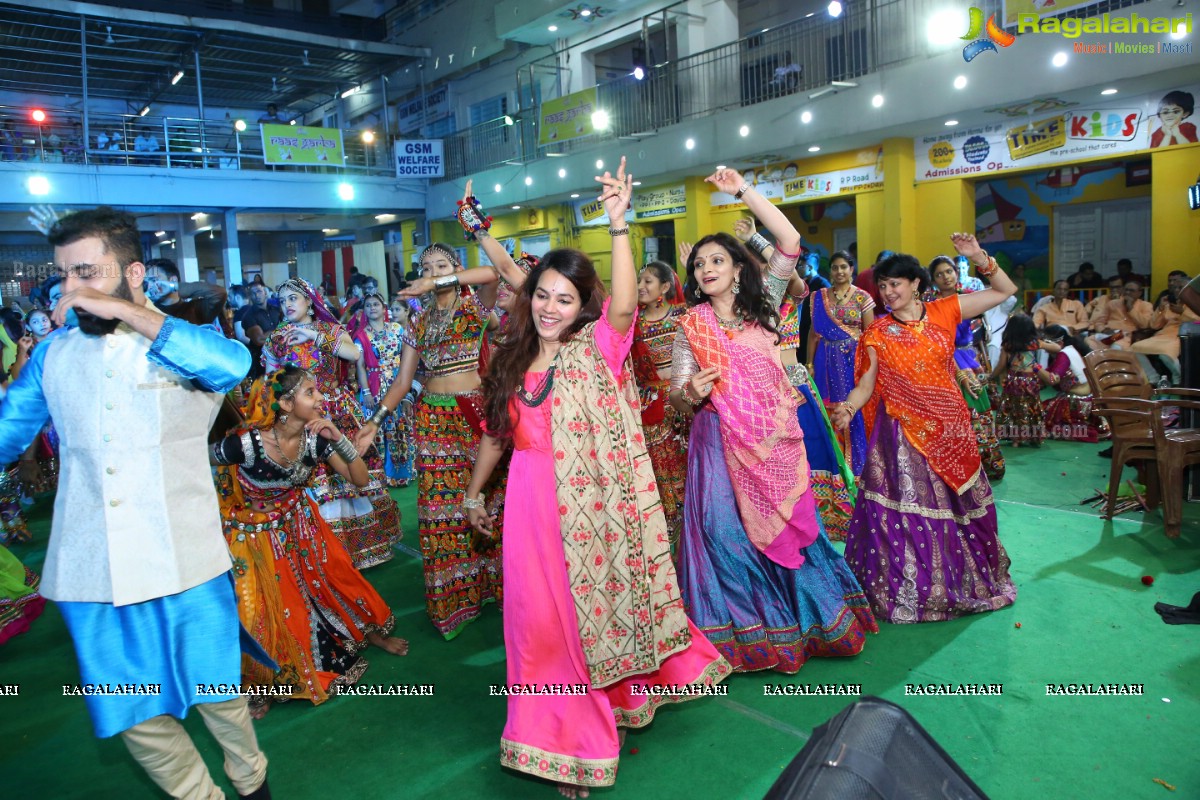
737,284
658,303
699,293
282,419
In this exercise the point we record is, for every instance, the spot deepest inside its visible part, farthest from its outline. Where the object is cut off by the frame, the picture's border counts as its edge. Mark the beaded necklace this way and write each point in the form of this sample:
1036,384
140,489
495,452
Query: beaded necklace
541,391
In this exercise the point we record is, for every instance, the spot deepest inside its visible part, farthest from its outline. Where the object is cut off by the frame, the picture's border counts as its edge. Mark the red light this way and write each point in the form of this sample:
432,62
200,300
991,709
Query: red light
38,115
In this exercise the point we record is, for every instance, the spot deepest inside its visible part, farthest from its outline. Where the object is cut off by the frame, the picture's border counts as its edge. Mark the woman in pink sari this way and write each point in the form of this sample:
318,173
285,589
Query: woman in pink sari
593,606
756,568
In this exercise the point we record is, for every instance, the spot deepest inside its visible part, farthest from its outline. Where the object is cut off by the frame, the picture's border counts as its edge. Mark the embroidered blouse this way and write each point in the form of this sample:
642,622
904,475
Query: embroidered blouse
246,451
318,357
450,346
780,270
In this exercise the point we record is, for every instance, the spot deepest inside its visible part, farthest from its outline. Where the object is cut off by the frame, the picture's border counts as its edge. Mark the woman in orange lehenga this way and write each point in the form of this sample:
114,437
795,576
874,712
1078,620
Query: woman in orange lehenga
665,428
299,593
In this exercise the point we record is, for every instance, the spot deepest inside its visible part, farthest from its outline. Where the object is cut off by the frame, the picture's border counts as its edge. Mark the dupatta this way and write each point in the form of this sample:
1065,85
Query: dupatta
760,434
825,324
916,382
627,602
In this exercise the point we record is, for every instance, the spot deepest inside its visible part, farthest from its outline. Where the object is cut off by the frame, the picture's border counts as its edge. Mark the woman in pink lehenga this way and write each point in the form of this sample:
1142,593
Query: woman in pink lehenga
593,600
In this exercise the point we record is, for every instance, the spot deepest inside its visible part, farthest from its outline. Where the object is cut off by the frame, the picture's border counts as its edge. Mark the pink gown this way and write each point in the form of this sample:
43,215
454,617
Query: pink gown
572,739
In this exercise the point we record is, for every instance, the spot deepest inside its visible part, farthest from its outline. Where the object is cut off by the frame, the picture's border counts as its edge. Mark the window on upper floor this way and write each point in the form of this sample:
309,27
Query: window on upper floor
488,110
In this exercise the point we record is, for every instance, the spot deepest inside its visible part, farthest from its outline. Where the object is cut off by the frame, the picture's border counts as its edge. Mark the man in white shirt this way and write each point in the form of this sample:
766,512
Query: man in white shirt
137,562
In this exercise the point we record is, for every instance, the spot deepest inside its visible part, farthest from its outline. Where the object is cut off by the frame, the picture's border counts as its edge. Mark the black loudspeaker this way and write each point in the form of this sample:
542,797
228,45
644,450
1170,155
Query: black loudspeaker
1189,370
873,750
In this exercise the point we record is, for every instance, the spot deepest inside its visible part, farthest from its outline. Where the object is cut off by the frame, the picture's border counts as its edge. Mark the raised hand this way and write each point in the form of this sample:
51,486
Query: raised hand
467,191
728,181
743,229
685,251
42,218
966,245
617,193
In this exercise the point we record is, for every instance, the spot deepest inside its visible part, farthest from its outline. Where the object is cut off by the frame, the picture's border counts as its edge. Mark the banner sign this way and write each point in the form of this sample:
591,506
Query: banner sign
567,117
1077,134
420,159
411,115
292,144
661,201
788,184
592,214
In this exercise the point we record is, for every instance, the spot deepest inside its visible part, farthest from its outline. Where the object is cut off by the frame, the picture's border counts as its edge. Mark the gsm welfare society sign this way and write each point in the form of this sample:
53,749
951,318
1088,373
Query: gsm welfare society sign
420,159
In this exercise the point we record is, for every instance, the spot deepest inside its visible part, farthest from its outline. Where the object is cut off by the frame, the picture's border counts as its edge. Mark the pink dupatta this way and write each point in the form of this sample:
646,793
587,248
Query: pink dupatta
760,434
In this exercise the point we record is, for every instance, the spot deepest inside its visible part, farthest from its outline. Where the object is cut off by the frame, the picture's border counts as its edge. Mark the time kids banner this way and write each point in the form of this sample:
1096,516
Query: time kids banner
592,214
1076,134
567,117
293,144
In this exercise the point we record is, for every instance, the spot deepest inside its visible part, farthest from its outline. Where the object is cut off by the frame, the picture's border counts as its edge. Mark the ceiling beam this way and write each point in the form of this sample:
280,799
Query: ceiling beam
95,10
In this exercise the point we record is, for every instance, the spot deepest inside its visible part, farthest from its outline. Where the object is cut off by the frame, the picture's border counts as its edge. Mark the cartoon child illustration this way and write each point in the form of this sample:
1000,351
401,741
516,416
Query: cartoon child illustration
1173,109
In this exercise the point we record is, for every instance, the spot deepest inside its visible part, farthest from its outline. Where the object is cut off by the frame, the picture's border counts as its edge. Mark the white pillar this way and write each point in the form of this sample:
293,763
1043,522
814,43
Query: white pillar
231,254
185,240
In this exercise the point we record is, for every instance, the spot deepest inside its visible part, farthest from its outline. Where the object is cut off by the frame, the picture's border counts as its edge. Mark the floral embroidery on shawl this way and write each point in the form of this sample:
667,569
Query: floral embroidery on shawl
627,602
760,433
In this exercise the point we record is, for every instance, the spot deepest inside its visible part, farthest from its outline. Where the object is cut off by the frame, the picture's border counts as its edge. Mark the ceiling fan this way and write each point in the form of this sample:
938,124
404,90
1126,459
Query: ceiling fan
110,40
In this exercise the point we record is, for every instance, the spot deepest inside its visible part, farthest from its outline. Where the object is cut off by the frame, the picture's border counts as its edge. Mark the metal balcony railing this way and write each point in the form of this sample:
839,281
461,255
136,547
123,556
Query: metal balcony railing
799,58
171,142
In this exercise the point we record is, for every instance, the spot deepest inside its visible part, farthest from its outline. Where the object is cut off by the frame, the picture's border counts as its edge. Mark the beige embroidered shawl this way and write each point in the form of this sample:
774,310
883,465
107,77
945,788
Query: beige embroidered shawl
627,600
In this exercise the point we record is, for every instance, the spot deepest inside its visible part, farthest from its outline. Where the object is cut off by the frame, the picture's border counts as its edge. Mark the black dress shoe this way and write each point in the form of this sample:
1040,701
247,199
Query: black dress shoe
261,793
1105,453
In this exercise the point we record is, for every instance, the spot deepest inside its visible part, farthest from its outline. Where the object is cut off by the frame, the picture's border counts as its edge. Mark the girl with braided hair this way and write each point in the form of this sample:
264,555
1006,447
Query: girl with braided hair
299,593
365,518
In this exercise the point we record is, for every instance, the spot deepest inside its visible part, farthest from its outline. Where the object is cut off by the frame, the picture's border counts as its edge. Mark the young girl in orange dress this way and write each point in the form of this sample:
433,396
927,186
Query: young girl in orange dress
299,593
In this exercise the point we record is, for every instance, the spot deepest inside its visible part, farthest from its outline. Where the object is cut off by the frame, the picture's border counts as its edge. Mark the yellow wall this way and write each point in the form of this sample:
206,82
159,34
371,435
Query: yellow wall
1174,228
902,219
942,208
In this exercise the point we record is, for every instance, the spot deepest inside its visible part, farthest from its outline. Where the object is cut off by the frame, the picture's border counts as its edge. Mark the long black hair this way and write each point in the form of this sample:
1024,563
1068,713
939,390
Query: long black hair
751,299
520,345
1019,335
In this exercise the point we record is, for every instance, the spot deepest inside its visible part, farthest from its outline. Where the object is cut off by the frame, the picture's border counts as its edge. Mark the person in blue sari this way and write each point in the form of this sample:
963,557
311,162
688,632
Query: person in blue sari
840,314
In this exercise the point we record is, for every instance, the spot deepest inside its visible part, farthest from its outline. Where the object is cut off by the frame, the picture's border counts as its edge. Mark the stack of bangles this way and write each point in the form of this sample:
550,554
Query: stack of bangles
989,267
345,448
379,416
473,502
848,406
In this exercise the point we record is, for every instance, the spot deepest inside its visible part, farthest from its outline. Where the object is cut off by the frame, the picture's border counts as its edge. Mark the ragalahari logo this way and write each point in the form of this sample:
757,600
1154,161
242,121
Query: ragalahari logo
995,35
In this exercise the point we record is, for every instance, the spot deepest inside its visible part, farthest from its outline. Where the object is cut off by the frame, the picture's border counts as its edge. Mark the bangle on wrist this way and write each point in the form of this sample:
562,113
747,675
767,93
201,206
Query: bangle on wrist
381,413
345,448
446,280
618,231
473,502
758,243
745,188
